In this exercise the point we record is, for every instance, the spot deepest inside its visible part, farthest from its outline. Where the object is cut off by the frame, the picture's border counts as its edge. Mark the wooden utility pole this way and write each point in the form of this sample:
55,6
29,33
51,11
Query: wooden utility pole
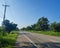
5,7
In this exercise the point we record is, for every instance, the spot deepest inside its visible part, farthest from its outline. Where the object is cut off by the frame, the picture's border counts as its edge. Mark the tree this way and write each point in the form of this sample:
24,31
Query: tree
9,26
33,27
55,27
52,26
23,28
42,24
29,28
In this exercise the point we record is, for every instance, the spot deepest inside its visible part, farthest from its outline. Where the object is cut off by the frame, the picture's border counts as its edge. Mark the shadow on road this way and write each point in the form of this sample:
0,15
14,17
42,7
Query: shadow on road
49,45
42,45
24,45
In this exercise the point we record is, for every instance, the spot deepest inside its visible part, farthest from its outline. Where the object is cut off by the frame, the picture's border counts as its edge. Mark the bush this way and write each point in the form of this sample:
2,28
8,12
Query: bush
8,40
55,27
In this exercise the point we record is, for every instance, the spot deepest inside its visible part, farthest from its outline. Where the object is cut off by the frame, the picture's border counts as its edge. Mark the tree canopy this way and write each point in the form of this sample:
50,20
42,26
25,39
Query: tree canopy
9,26
42,24
55,27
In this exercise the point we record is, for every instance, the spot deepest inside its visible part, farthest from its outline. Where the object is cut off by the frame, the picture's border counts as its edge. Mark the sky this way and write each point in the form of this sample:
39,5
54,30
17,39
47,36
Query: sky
27,12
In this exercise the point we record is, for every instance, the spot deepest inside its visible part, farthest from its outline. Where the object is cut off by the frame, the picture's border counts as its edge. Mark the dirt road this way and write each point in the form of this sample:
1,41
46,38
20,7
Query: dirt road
33,40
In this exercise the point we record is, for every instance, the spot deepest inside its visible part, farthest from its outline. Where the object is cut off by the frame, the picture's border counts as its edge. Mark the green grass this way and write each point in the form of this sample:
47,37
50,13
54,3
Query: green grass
47,33
8,40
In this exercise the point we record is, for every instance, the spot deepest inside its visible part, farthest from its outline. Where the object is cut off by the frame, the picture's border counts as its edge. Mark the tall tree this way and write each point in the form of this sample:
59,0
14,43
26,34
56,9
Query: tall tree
43,24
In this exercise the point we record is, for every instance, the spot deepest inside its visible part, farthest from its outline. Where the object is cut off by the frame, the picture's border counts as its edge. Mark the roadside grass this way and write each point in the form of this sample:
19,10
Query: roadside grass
47,33
8,40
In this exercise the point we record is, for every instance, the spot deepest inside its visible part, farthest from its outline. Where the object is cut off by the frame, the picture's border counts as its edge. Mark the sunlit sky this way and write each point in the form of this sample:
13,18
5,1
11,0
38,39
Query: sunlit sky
27,12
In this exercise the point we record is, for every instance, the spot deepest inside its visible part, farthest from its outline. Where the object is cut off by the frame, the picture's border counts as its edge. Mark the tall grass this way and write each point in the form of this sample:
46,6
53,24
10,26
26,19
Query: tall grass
8,40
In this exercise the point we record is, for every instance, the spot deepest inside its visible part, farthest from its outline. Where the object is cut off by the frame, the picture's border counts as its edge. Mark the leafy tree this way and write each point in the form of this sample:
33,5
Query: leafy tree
9,26
33,27
55,27
52,26
42,24
23,28
29,28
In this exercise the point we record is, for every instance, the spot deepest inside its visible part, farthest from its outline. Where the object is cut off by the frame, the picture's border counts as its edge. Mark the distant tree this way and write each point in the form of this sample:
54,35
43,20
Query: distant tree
23,28
29,28
52,26
42,24
33,27
55,27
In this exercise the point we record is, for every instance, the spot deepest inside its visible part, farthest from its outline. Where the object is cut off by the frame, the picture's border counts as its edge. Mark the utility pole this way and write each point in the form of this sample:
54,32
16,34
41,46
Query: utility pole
5,7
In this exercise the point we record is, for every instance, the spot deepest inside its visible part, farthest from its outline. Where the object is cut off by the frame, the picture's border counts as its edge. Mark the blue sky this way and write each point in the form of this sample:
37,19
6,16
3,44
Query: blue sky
27,12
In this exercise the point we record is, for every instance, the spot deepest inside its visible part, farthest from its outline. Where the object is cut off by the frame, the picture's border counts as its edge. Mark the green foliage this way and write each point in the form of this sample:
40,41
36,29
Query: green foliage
23,28
47,33
34,27
1,29
7,35
29,28
55,27
8,40
42,24
9,26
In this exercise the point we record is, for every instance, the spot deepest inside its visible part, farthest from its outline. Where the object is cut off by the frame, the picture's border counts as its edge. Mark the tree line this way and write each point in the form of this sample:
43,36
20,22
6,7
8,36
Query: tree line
44,25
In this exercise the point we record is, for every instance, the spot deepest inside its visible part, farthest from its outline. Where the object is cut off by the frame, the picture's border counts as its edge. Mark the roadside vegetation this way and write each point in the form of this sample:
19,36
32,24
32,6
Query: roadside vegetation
46,33
8,34
8,40
43,26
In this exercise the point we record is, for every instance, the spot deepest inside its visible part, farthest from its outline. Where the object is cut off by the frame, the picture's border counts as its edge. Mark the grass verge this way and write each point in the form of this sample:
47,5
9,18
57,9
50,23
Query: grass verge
47,33
8,40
